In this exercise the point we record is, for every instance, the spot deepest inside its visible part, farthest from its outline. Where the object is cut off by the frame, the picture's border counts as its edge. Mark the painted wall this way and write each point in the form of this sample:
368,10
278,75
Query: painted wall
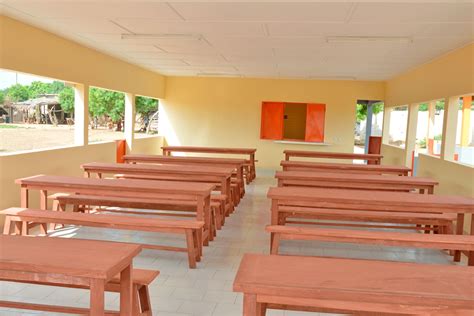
61,161
25,48
453,178
226,111
448,75
393,155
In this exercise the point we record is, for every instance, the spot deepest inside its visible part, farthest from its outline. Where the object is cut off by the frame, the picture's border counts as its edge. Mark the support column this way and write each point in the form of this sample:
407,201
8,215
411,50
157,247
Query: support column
450,122
386,125
410,139
466,121
129,120
368,126
430,131
81,115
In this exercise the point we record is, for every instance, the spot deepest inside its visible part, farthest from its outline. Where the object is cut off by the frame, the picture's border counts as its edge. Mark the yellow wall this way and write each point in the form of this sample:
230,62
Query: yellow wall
393,155
448,75
25,48
226,111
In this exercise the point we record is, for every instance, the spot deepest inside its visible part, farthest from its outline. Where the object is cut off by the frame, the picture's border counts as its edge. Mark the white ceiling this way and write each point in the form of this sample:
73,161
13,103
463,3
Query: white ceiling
282,39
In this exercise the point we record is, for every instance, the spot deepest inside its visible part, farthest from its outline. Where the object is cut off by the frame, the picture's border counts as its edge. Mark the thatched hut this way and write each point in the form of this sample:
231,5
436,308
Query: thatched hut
46,109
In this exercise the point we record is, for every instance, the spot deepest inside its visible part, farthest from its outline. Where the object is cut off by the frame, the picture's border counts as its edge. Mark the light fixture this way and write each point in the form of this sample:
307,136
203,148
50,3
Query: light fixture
369,39
217,74
127,36
332,78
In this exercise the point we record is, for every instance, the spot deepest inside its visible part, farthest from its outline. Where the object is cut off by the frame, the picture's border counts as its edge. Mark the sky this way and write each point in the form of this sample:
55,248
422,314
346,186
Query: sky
9,78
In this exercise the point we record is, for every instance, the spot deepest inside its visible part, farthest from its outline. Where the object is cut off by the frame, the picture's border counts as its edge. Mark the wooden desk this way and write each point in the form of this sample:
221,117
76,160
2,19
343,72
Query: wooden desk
346,168
200,192
354,181
332,155
70,261
352,286
373,201
237,164
188,173
167,150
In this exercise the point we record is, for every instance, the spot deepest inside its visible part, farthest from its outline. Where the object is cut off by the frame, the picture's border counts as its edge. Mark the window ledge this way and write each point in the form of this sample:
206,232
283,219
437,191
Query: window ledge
295,142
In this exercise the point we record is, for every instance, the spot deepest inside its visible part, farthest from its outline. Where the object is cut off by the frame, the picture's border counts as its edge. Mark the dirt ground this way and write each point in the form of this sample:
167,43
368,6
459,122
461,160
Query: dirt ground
20,137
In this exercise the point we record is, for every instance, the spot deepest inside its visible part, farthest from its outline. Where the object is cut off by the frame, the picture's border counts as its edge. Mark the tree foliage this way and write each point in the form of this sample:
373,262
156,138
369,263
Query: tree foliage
361,111
66,98
18,93
107,103
146,106
2,97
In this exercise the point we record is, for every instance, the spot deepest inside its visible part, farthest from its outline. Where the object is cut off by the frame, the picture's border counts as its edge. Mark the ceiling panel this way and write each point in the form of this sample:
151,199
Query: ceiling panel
95,9
294,11
285,39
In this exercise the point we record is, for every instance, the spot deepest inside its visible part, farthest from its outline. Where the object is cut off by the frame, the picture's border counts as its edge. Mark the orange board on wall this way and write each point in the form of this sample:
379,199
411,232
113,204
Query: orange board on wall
272,120
315,114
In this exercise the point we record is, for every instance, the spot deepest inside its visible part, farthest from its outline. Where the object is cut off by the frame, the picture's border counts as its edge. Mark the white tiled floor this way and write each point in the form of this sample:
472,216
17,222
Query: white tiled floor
207,290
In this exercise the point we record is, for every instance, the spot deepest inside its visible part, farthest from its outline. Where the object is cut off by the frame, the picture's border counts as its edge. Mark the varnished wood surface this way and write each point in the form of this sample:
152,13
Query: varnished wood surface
70,257
334,155
178,159
217,150
388,200
356,281
330,167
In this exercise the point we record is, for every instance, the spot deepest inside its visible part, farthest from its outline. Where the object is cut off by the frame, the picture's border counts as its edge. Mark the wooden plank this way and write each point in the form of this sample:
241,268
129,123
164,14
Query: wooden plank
217,150
331,155
344,167
356,281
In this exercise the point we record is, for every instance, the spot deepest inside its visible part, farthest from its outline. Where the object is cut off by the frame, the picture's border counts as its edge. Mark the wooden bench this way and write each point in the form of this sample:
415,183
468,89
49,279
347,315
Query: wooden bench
250,163
351,286
416,240
370,158
141,304
355,181
439,223
161,207
344,168
70,261
189,228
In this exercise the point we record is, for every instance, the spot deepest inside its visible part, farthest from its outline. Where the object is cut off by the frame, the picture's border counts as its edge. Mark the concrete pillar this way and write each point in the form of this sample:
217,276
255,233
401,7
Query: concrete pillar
450,122
386,125
81,115
466,121
129,120
368,126
410,140
431,123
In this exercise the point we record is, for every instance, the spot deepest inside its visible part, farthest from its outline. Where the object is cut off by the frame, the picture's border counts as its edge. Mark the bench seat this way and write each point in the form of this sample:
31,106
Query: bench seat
141,298
416,240
192,229
441,222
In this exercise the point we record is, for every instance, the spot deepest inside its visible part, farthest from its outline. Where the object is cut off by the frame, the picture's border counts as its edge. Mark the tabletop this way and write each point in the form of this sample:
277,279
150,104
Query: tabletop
342,177
70,257
313,277
117,184
329,154
385,199
157,158
223,150
343,166
151,168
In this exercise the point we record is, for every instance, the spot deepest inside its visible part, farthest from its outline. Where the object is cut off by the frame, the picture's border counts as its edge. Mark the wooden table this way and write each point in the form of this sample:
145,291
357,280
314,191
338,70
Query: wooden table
70,261
353,286
189,173
237,164
346,168
167,150
332,155
355,181
200,192
373,201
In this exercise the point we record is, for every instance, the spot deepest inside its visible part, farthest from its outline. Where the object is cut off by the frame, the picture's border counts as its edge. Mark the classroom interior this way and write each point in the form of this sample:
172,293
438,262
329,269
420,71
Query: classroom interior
404,54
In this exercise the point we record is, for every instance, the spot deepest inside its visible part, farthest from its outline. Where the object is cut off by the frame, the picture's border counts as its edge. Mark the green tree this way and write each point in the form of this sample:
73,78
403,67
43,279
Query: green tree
107,103
145,105
66,98
36,88
2,97
18,93
439,106
361,110
56,87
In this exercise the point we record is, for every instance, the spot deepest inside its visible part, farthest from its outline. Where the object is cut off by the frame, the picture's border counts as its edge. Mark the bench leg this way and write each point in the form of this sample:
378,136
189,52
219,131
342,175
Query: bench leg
191,249
197,246
97,297
144,298
459,231
135,301
7,225
275,243
24,228
252,307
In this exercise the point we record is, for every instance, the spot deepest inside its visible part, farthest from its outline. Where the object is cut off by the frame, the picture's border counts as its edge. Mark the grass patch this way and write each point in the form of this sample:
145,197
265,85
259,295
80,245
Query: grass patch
9,126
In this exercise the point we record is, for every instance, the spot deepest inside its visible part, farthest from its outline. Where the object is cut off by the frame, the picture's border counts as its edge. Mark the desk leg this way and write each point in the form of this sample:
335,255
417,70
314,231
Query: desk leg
252,307
44,206
24,202
24,197
97,301
203,215
470,261
126,293
459,231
